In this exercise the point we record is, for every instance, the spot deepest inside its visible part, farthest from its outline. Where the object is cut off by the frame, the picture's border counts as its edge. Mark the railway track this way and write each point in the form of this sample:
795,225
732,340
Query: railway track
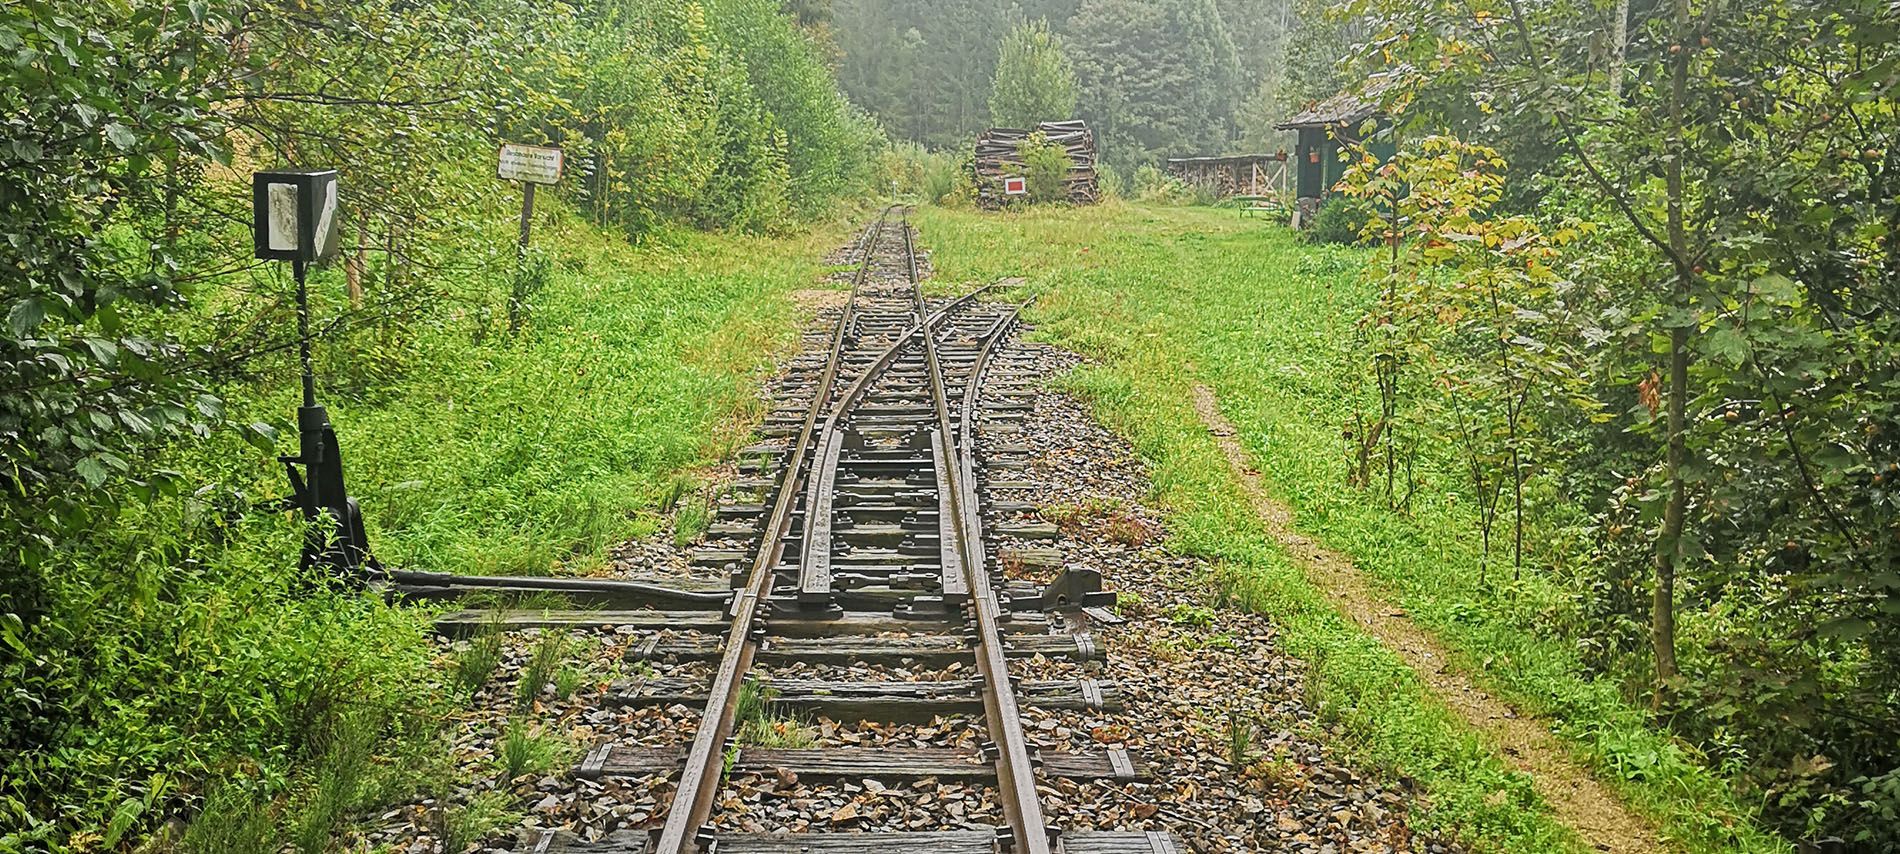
858,592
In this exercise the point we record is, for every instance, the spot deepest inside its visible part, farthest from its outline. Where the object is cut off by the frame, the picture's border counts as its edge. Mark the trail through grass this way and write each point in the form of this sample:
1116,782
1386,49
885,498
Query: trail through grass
1165,297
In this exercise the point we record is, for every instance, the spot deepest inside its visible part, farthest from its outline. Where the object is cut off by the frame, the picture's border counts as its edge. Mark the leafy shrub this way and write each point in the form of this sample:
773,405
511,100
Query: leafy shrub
1045,170
1155,186
1338,222
909,169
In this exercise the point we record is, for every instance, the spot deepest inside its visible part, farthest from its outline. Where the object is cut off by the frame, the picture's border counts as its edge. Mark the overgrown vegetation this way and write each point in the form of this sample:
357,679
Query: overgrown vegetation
1045,170
525,748
759,724
155,633
1270,325
1668,338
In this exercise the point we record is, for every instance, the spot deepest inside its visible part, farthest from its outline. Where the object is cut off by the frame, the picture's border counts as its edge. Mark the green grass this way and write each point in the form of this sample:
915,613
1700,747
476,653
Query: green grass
525,748
533,455
1164,297
461,826
210,659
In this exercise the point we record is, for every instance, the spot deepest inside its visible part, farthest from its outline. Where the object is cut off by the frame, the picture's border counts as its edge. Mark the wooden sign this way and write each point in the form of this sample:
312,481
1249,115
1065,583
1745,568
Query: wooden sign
1015,186
529,164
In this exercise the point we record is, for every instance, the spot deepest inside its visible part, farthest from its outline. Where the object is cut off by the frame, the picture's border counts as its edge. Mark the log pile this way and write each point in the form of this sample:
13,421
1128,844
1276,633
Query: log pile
1238,175
999,156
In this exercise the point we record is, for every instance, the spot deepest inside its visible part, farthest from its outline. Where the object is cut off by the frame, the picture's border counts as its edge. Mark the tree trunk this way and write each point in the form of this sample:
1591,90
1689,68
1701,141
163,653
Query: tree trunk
1662,611
1669,544
1619,46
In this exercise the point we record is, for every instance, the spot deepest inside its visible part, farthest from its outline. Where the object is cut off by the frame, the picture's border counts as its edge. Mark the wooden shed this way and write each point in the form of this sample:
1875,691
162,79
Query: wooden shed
1323,128
1236,175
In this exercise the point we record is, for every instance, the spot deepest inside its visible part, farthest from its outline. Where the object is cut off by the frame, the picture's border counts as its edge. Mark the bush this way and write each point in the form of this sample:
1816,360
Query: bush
1155,186
909,169
1045,169
1339,221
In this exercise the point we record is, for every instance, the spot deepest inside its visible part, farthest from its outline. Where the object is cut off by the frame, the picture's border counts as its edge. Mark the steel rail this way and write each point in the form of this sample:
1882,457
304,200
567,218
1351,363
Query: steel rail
814,577
699,776
1015,770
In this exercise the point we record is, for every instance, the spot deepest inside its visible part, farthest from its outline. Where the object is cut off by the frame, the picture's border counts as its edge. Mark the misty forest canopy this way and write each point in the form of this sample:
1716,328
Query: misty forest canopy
1155,78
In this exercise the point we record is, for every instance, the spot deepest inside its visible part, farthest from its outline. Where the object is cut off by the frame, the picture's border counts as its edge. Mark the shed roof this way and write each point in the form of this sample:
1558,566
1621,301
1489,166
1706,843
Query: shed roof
1345,108
1225,160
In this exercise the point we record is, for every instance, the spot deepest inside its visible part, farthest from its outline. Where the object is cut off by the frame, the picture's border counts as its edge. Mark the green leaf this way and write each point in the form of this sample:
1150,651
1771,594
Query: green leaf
92,470
121,136
26,316
261,436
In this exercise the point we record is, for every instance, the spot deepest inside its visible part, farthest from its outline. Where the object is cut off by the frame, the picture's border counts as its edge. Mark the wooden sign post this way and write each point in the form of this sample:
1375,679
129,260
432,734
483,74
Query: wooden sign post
532,165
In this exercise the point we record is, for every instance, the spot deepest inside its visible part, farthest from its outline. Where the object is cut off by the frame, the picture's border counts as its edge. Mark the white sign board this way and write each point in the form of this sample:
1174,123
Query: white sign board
1015,186
326,222
281,229
533,164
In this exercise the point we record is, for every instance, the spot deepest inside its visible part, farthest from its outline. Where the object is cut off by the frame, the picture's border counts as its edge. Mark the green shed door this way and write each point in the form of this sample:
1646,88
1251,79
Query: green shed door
1311,153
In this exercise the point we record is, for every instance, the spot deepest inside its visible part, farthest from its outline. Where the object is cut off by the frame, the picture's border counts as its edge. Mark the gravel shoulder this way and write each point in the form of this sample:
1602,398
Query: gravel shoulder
1220,715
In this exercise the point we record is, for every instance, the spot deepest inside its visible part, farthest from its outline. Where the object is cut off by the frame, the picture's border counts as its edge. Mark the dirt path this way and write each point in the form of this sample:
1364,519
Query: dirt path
1578,798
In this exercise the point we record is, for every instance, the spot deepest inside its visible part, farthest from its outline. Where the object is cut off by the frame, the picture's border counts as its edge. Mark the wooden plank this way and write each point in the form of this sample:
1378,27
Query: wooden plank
894,764
471,622
923,842
930,649
1122,842
876,701
680,595
467,623
944,842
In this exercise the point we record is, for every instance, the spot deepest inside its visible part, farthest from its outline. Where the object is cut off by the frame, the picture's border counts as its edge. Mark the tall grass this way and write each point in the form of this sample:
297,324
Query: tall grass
525,748
208,652
1260,318
550,652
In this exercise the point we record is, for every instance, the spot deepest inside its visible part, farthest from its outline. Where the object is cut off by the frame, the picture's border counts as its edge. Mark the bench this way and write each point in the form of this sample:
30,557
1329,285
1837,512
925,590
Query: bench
1250,205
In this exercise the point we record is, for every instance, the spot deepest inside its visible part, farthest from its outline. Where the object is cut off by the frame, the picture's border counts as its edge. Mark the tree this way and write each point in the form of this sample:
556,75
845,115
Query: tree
1158,77
1742,299
1035,82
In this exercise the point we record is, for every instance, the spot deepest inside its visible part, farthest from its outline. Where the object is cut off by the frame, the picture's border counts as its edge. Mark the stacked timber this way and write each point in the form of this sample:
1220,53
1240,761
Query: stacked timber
1238,175
999,155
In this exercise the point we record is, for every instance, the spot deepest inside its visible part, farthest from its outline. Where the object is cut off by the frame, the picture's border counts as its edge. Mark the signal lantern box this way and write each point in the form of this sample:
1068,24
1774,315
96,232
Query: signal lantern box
293,215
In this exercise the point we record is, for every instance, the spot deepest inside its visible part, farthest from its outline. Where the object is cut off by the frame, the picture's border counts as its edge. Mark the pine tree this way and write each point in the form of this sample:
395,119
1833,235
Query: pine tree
1158,77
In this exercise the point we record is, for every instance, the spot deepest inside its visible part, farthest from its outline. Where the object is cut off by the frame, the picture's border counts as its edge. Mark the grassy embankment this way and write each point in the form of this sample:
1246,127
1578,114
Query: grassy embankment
1163,298
535,456
218,671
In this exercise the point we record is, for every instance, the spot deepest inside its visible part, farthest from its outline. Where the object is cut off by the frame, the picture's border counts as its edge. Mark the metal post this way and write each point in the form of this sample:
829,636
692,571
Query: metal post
527,217
311,419
297,270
